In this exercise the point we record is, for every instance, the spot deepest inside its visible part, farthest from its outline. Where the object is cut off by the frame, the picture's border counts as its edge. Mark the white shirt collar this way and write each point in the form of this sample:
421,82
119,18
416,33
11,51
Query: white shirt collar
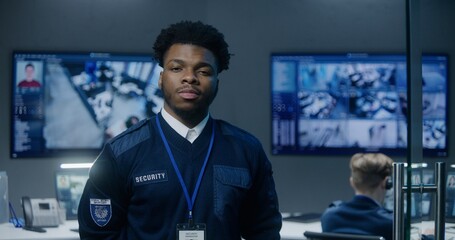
179,127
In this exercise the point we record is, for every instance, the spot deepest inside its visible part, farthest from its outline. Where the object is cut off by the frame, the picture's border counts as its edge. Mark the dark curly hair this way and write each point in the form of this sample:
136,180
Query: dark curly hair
196,33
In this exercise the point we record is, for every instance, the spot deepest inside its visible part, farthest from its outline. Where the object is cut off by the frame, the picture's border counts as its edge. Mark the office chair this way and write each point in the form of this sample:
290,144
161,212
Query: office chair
338,236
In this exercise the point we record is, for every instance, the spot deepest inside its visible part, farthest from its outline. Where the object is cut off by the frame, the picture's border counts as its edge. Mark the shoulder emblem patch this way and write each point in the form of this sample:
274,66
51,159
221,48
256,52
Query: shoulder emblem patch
101,211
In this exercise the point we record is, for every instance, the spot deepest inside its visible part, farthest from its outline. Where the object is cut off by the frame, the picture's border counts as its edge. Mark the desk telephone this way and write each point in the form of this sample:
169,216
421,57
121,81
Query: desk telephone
39,213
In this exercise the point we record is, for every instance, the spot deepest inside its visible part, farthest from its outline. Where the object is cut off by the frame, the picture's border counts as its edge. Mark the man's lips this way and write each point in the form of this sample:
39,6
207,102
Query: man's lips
188,93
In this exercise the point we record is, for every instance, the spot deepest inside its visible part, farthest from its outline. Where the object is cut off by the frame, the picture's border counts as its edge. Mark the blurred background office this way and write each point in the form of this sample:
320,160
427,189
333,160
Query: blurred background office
254,29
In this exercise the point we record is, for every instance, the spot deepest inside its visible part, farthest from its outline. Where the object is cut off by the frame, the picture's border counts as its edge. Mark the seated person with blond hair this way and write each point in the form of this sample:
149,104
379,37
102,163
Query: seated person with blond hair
364,214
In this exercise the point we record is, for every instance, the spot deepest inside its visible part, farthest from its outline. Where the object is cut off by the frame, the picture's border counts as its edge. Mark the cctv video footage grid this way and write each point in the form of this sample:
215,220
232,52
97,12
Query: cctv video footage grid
346,103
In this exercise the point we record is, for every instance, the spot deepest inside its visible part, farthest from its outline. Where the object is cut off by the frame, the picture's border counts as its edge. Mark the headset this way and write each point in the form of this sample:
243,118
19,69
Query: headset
388,183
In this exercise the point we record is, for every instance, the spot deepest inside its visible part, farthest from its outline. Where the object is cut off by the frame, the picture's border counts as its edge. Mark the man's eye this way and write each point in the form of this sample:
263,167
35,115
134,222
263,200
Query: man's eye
205,73
176,69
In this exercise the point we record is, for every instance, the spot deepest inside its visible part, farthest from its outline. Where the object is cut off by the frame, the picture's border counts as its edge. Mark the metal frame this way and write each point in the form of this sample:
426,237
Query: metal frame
398,189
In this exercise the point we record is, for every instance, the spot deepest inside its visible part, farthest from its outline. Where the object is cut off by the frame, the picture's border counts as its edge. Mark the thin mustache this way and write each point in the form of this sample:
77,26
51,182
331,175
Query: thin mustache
188,88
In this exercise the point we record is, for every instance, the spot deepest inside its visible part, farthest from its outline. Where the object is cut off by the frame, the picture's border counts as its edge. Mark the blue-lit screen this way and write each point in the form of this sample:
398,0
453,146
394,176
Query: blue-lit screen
69,186
72,103
450,197
341,104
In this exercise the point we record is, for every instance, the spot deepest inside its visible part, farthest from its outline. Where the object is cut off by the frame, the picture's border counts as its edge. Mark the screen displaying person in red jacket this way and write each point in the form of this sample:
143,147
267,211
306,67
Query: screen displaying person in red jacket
29,80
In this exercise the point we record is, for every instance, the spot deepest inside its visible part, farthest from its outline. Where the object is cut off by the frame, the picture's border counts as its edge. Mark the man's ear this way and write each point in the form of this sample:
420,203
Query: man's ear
351,181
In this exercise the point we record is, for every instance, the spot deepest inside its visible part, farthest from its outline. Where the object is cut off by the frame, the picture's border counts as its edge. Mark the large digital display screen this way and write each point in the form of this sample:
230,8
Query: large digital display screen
341,104
72,103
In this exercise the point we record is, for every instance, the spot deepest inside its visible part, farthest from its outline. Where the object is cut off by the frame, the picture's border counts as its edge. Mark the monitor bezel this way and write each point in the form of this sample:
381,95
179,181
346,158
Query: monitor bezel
61,152
347,151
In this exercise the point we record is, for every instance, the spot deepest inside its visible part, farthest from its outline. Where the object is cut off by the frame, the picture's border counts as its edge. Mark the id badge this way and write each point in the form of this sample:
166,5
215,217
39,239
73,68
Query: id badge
194,232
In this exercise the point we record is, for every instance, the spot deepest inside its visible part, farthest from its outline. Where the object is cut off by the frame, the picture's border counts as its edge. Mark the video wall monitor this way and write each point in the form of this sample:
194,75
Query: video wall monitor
72,103
341,104
69,186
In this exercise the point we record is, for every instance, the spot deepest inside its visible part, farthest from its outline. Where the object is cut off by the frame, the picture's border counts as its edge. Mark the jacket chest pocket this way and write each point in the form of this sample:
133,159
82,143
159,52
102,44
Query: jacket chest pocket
231,185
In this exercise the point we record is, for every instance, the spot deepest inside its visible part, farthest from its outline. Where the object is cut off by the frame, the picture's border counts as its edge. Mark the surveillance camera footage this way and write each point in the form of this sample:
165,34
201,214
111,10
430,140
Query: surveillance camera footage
342,104
84,100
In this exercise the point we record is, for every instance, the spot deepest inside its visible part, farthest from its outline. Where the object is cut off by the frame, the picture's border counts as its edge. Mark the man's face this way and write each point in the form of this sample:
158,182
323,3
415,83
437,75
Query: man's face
29,72
188,81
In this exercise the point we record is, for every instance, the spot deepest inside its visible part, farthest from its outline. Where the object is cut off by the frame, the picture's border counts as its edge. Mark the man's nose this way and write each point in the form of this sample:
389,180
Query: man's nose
189,77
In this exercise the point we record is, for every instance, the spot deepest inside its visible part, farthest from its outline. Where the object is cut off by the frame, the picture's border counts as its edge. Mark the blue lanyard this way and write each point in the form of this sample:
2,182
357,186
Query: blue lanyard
190,201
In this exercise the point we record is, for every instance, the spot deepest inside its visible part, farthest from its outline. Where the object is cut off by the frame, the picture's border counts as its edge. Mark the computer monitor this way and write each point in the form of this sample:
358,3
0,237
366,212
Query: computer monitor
421,203
450,197
341,104
428,199
71,103
69,185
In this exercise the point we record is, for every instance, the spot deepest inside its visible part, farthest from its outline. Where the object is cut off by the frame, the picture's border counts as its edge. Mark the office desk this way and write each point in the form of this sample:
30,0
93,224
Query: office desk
289,231
294,230
62,232
428,226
